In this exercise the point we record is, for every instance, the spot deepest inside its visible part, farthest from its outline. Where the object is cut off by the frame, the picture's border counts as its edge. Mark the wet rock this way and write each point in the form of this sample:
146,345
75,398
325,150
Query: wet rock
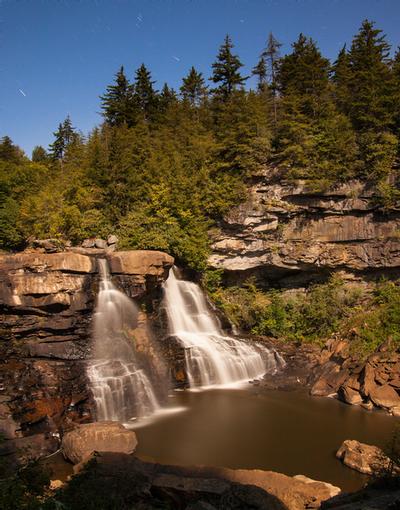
102,437
46,306
362,457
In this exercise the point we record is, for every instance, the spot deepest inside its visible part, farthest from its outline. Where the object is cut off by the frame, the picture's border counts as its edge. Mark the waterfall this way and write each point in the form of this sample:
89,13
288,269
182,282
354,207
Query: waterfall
120,386
211,357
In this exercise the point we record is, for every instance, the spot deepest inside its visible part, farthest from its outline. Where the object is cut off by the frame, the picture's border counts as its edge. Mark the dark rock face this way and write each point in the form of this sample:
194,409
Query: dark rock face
289,234
46,307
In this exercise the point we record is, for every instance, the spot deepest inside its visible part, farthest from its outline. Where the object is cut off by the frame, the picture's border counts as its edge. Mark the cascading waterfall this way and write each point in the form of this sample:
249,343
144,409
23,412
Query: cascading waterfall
121,388
211,357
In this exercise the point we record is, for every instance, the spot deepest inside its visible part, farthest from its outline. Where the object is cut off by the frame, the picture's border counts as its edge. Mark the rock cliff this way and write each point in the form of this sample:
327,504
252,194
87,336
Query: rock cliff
291,234
46,307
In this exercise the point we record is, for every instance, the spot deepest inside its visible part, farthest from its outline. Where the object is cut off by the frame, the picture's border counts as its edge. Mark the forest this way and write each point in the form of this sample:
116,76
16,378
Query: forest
165,165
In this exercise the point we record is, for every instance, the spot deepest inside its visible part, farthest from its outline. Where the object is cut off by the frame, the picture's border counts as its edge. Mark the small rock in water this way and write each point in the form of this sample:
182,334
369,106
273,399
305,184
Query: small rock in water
362,457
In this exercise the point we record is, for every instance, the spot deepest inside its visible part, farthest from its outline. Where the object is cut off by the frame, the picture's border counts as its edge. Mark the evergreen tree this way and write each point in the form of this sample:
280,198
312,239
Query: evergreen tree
305,74
57,148
271,54
64,137
117,102
144,93
341,76
166,98
39,154
396,91
369,101
226,70
193,87
260,70
9,151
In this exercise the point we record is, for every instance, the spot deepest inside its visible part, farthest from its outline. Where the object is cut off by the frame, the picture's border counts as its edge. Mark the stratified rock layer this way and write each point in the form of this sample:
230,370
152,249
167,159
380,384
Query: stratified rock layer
294,234
46,307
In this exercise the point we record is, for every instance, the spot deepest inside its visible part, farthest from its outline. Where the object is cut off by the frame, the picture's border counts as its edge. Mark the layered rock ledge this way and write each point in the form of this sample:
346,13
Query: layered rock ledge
291,234
46,307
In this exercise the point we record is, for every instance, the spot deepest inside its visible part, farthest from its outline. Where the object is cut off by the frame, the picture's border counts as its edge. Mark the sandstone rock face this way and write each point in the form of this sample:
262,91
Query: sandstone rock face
290,233
362,457
81,442
46,306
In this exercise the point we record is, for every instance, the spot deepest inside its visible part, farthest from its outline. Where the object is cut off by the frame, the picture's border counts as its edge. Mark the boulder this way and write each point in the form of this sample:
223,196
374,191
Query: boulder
102,437
89,243
385,396
349,395
100,243
362,457
112,239
140,262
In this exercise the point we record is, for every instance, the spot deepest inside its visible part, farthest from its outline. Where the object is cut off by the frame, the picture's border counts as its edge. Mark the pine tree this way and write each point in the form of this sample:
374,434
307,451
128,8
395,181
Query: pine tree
305,73
144,93
369,102
39,154
64,137
9,151
166,98
260,70
226,70
271,54
341,76
193,87
117,102
396,91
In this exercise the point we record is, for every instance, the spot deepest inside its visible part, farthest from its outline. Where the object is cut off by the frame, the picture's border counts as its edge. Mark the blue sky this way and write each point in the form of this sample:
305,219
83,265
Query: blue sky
58,56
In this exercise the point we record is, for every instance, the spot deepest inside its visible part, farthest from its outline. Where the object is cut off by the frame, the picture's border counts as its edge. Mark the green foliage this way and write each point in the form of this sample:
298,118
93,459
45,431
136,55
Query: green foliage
226,70
163,168
379,322
367,319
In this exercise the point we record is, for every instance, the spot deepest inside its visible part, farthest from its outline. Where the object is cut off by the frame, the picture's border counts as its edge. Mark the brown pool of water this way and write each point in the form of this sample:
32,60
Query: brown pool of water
288,432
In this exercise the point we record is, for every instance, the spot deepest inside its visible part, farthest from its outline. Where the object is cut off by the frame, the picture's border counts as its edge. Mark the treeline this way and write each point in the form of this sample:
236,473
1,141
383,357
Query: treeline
165,164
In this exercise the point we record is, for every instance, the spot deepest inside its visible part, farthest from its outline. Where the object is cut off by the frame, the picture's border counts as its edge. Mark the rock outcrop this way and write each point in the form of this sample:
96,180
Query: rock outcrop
46,307
290,233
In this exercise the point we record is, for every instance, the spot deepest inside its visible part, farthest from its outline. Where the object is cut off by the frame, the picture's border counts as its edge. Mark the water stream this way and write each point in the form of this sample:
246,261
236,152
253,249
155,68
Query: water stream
212,358
121,388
